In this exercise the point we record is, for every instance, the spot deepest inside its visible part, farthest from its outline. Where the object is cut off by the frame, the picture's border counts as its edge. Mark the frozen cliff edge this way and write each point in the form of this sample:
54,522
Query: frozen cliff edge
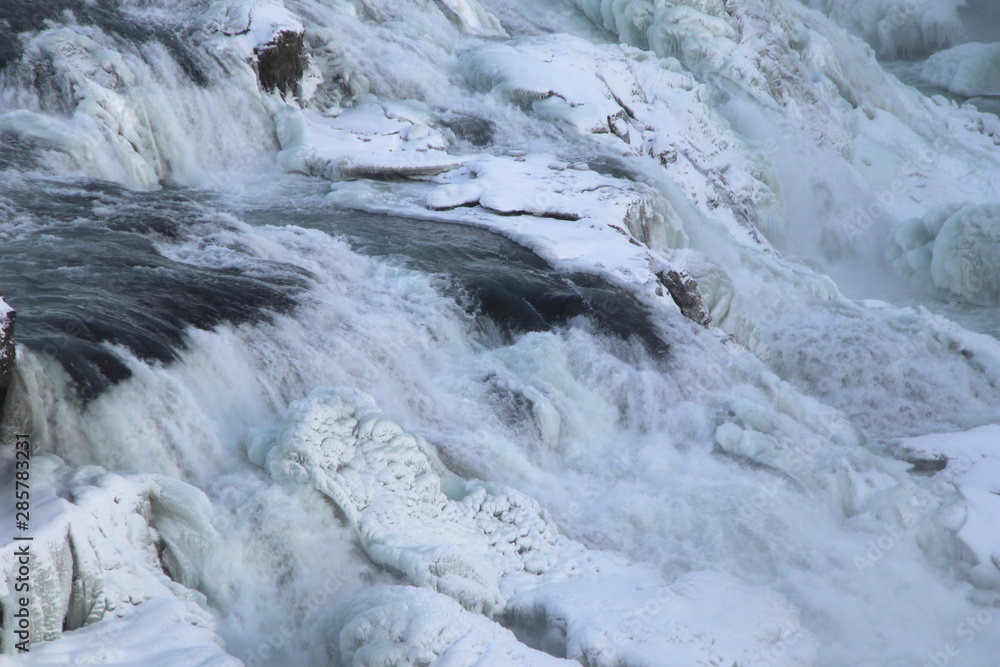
495,551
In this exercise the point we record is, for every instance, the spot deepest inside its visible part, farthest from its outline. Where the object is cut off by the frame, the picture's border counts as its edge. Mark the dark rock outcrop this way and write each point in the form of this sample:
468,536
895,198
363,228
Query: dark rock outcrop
281,63
7,318
684,291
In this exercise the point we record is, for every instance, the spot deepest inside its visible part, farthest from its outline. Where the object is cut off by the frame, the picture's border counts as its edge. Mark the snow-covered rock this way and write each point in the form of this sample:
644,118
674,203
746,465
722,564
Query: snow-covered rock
371,140
637,105
102,547
968,69
494,550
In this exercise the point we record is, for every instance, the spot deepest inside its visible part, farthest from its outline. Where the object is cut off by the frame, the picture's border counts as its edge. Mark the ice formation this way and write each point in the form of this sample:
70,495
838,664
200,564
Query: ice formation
114,556
495,552
365,141
405,625
899,28
969,69
955,248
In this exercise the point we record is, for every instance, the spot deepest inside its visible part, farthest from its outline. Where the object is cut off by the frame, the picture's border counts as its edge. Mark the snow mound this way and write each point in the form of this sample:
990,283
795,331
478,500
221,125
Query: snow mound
973,464
494,551
102,549
898,28
955,248
400,625
388,140
969,69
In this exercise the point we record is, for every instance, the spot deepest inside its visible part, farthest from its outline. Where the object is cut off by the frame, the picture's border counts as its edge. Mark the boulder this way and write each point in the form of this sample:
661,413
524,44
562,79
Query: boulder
684,290
282,62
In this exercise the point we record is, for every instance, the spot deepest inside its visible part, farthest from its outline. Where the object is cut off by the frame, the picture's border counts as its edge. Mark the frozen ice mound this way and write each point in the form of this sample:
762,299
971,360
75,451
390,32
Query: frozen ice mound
371,140
494,551
954,248
898,28
969,69
402,625
115,561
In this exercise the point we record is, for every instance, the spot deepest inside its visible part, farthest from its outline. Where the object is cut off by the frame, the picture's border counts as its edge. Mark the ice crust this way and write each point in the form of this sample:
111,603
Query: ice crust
366,141
493,550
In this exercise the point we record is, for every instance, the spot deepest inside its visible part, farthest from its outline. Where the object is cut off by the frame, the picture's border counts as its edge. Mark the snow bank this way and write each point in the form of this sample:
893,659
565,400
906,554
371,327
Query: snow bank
103,546
954,248
494,551
898,28
969,69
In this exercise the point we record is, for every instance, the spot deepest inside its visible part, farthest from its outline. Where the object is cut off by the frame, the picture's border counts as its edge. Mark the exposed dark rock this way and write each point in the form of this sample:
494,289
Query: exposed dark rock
684,290
927,465
477,131
281,63
7,318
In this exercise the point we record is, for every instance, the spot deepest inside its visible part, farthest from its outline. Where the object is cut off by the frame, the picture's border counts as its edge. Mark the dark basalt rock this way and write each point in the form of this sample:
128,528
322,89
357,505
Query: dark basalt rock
6,352
281,63
684,291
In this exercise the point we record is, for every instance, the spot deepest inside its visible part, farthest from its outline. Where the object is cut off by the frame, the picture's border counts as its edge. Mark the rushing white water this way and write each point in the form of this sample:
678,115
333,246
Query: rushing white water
396,351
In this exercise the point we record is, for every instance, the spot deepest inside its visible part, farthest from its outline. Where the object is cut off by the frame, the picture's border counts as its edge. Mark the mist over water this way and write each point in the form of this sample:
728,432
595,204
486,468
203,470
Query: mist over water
500,332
